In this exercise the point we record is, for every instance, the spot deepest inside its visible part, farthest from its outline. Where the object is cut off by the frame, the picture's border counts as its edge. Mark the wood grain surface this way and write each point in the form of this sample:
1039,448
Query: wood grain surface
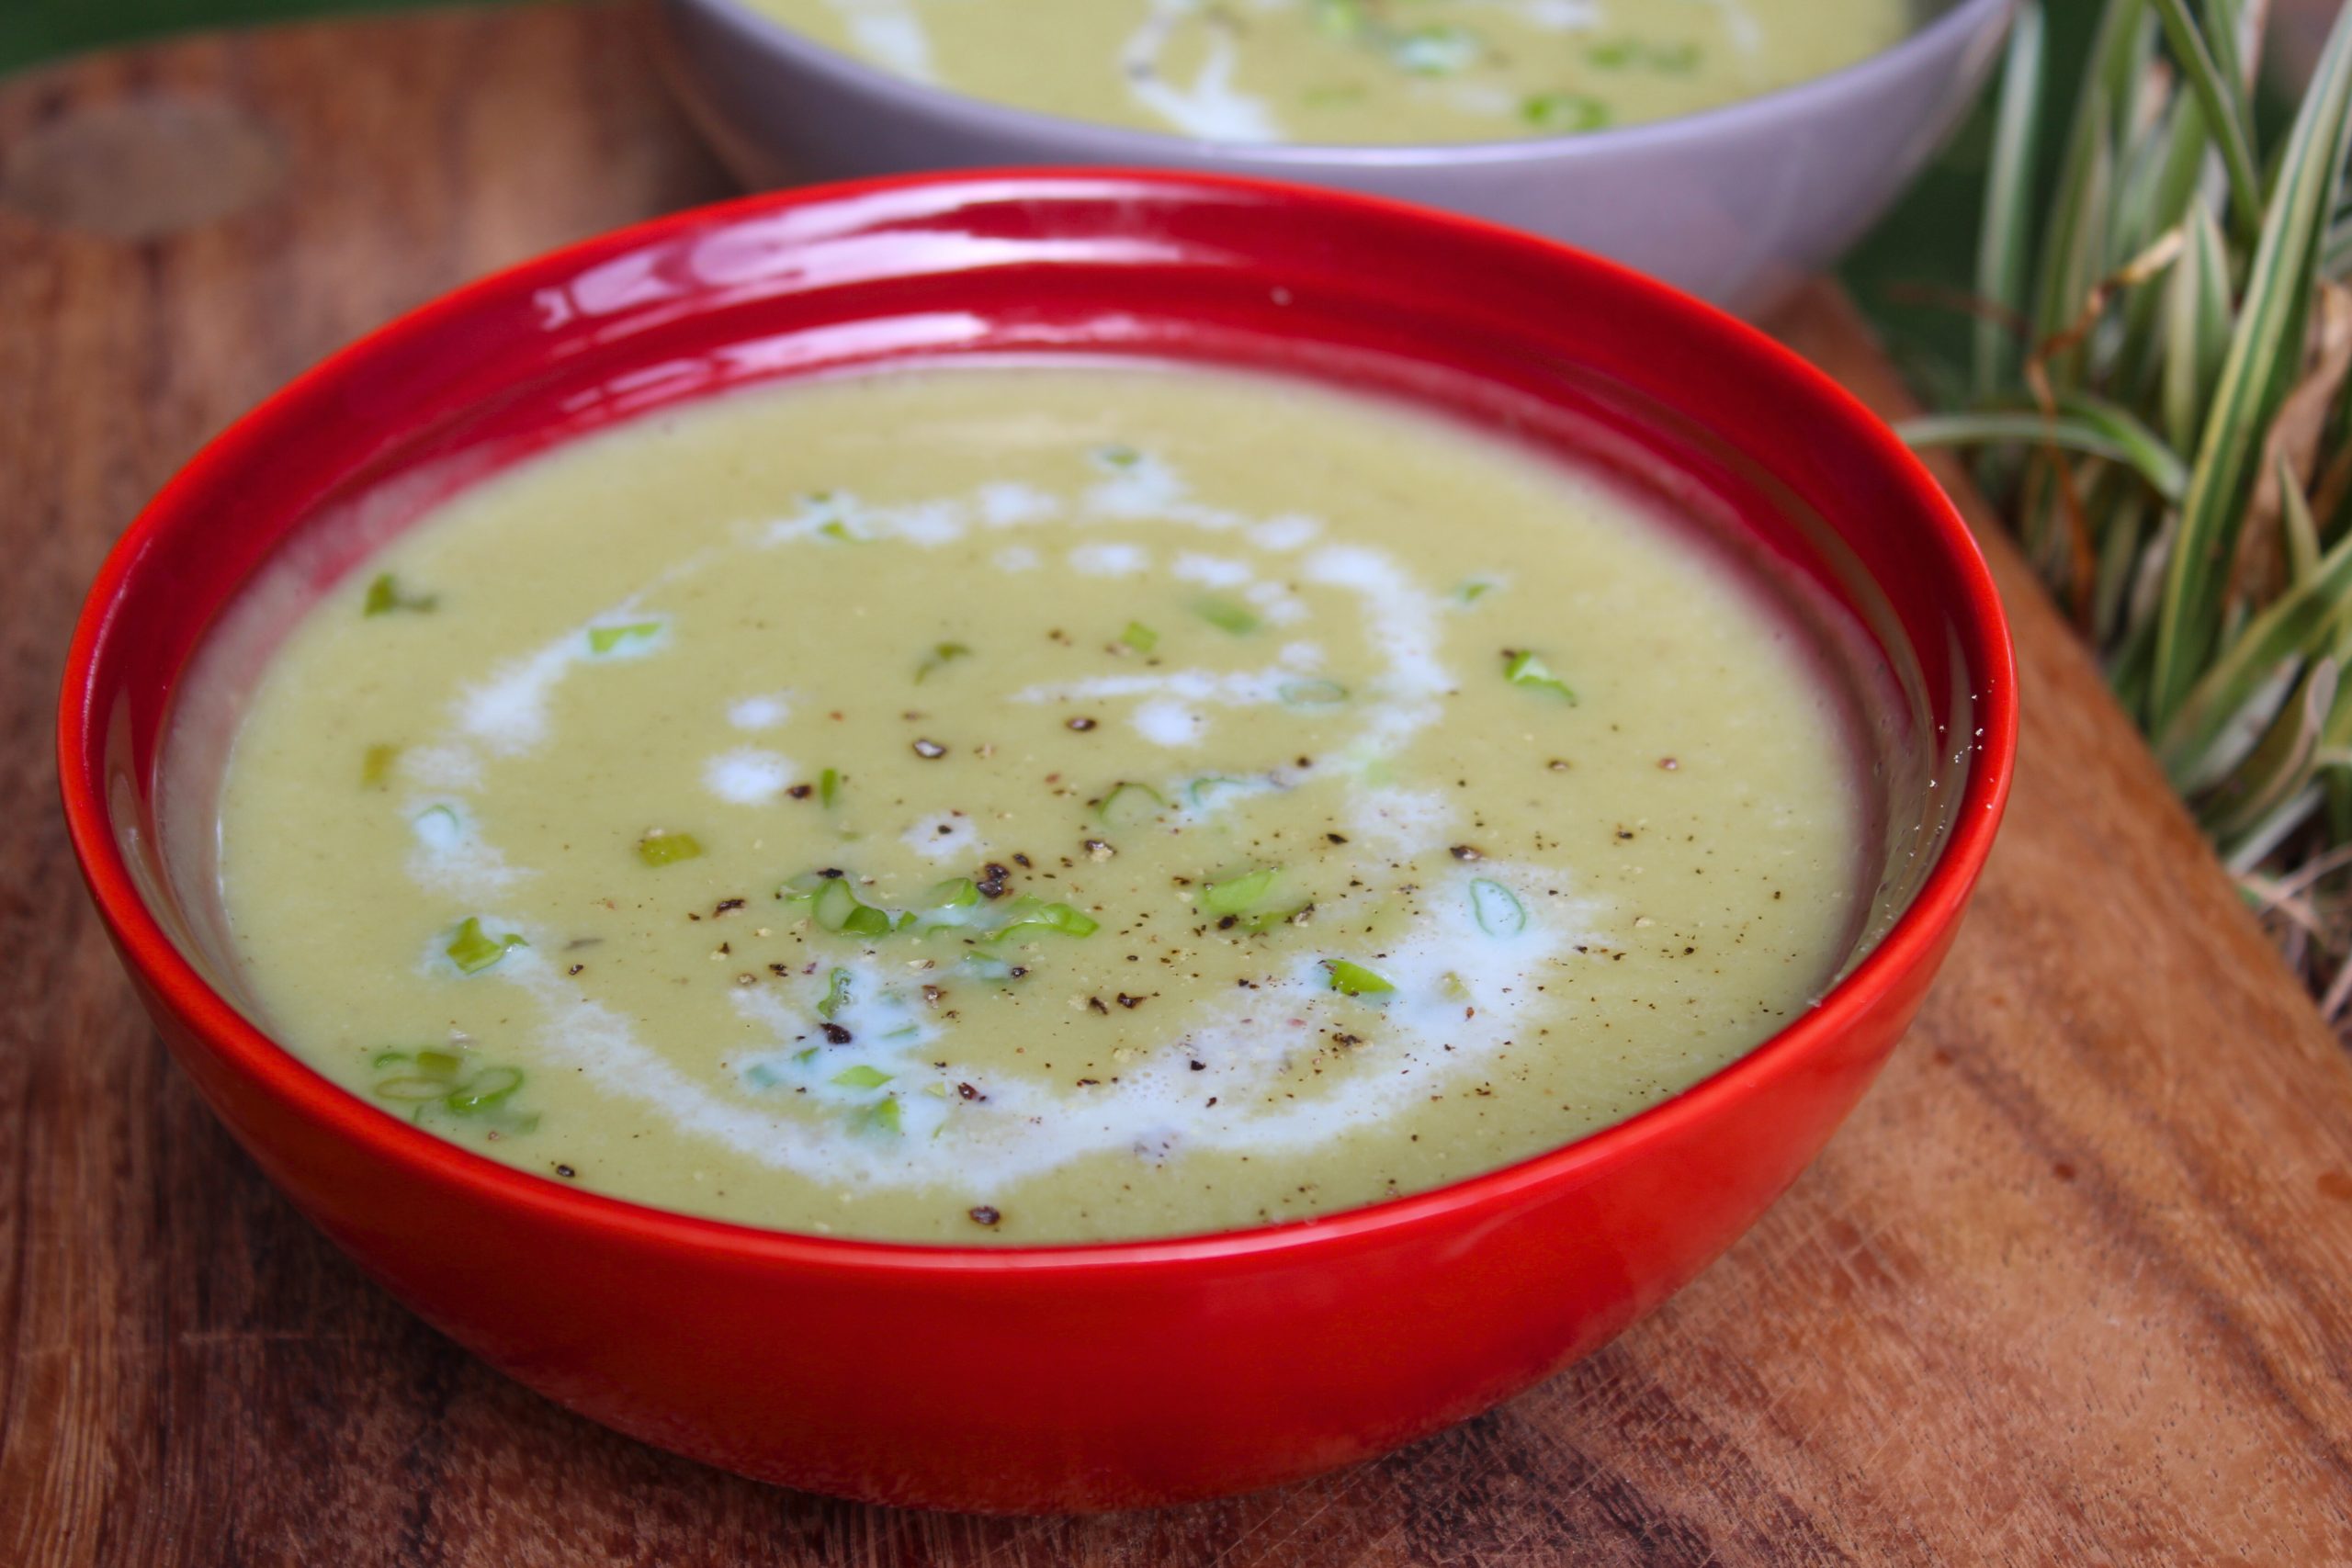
2074,1285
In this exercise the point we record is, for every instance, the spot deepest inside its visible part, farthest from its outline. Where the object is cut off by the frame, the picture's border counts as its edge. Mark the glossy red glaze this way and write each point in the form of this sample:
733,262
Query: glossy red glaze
1063,1377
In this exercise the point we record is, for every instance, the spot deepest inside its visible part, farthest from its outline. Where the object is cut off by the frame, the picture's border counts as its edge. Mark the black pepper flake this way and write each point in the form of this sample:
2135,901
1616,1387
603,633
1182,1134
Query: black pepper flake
1337,838
1347,1039
779,970
1200,1066
1557,764
832,873
968,1092
1130,1003
1228,923
990,882
836,1035
930,750
801,792
1465,851
1088,1083
566,1172
931,995
726,906
986,1215
1097,849
575,969
1094,1004
1081,724
1021,861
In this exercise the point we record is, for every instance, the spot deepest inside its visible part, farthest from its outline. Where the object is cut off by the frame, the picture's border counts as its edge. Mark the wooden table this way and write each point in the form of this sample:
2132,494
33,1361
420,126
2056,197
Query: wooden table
2074,1284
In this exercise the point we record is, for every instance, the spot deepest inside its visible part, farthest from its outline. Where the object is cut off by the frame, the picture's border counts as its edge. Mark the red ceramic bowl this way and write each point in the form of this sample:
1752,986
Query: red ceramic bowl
1064,1377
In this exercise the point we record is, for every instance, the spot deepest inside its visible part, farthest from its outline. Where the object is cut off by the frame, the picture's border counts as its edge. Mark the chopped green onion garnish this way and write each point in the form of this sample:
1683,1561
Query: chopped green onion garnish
1497,909
1030,913
1612,54
862,1076
829,787
1239,895
439,1064
1565,112
836,995
1140,637
485,1091
803,888
661,847
384,596
838,908
1227,615
956,893
412,1088
1312,694
1119,456
387,1059
603,639
986,966
883,1114
1354,979
940,654
1471,590
1526,670
376,765
837,529
1131,805
472,949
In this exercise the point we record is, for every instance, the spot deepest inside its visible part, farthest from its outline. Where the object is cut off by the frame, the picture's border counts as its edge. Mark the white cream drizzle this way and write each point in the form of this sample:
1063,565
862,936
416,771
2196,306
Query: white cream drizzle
1158,1104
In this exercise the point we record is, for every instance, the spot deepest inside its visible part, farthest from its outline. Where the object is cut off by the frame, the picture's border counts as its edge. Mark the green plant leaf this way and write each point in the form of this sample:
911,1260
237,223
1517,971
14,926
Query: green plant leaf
2265,350
2002,254
2085,425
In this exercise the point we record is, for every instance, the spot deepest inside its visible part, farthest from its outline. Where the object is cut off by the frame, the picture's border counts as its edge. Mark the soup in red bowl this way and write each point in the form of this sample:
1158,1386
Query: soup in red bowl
1185,1265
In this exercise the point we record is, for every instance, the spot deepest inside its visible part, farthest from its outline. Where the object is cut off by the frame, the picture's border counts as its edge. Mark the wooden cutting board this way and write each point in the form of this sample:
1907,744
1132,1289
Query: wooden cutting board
2074,1285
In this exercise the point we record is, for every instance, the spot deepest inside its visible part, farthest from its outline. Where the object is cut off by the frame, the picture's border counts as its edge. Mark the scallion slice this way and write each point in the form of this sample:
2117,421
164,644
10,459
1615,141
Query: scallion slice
1522,669
1140,637
1230,616
1239,895
956,893
862,1076
1566,113
942,653
836,995
1131,805
385,596
439,1064
485,1091
1354,979
1497,909
882,1115
829,787
662,847
1033,914
472,949
415,1087
376,766
604,639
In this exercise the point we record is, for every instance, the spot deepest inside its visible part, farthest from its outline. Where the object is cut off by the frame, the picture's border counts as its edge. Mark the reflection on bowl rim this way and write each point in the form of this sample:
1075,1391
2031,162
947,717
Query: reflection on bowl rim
1128,144
1905,949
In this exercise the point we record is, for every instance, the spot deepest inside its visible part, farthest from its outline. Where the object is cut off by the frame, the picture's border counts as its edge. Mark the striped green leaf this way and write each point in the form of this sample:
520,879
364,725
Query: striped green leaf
2266,349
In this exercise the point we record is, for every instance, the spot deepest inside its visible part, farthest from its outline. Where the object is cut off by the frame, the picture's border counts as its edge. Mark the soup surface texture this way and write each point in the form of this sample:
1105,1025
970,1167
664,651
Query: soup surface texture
1355,72
1037,804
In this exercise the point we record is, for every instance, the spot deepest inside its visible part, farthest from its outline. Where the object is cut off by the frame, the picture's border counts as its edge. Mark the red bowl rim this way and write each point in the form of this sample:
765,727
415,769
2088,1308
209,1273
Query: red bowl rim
1911,944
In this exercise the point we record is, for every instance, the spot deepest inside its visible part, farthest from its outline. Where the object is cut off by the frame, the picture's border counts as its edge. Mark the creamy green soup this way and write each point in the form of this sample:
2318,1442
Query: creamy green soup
1038,804
1356,71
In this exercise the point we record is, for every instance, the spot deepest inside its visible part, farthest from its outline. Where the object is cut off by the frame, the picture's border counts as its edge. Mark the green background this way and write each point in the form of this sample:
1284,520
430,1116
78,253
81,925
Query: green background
1923,251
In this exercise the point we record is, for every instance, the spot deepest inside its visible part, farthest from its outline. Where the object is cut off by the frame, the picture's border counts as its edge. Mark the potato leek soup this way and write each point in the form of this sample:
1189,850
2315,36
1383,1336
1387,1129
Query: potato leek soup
1355,70
1038,804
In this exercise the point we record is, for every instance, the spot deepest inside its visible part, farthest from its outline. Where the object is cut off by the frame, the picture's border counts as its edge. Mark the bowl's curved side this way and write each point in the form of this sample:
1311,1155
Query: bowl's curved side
1034,1378
1124,1386
1735,206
